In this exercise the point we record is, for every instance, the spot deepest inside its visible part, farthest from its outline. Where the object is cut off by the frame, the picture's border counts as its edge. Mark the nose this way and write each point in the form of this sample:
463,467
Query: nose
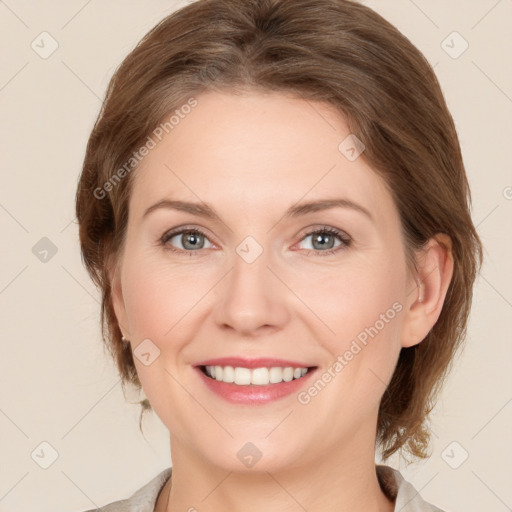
252,299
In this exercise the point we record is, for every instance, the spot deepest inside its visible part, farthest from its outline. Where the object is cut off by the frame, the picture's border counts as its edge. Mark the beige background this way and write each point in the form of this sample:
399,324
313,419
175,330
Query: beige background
57,384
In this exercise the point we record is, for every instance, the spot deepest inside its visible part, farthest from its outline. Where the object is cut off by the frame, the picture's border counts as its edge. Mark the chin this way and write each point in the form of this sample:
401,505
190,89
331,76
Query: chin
245,456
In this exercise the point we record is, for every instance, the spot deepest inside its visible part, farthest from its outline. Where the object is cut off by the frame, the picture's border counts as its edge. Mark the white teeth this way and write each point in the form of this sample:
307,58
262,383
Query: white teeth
275,375
242,376
257,376
228,374
288,374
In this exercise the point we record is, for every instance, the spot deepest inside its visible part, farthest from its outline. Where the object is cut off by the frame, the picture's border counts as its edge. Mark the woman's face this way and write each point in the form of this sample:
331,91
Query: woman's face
260,284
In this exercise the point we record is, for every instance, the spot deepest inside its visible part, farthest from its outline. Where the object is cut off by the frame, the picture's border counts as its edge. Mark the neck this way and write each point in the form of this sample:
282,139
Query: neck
338,481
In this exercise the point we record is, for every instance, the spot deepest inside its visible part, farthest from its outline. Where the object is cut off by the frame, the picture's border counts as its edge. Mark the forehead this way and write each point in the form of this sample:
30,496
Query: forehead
256,151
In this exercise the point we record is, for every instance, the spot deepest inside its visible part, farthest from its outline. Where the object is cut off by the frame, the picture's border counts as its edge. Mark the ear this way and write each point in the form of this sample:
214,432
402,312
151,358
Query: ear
117,299
427,289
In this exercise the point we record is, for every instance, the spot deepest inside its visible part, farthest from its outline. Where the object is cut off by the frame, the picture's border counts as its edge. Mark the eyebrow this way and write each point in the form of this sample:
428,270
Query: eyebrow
205,210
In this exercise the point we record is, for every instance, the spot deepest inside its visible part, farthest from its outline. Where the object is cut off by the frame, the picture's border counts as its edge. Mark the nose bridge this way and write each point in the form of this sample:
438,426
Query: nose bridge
252,296
251,262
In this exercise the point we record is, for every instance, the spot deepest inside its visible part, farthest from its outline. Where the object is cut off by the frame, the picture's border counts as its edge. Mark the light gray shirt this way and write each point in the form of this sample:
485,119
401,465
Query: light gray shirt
393,484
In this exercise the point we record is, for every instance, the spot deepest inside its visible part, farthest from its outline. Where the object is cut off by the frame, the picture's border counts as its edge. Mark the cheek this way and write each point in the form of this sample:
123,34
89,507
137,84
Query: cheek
158,299
158,294
349,299
364,309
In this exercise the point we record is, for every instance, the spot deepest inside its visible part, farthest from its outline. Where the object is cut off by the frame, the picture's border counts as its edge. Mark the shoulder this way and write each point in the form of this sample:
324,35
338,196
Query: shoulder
406,497
142,500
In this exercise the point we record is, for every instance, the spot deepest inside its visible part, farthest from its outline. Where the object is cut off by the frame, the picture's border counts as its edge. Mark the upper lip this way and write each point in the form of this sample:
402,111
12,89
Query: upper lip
260,362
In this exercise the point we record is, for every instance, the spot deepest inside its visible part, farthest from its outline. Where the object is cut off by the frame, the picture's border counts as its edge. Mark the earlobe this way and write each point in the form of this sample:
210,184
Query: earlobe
435,271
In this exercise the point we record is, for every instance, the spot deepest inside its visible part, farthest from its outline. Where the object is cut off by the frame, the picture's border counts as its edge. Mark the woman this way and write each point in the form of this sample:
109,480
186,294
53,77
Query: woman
274,205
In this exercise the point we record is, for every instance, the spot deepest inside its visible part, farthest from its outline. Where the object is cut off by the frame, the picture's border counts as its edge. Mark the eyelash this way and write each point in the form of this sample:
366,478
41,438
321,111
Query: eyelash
345,239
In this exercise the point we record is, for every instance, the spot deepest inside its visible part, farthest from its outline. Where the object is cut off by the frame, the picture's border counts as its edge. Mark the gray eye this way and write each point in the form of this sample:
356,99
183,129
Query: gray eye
323,239
190,240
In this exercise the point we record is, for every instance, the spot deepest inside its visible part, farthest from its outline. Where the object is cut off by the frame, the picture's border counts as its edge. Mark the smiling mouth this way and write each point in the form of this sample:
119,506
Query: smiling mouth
263,376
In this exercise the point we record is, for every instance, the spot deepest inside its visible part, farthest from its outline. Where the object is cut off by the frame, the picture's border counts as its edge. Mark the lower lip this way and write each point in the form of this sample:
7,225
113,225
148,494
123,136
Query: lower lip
254,394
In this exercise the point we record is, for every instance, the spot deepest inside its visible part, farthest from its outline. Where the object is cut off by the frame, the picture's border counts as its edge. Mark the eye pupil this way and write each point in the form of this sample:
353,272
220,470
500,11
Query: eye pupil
191,236
321,239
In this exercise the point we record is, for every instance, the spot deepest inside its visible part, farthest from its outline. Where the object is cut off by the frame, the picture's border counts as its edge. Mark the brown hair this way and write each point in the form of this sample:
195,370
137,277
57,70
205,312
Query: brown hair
333,51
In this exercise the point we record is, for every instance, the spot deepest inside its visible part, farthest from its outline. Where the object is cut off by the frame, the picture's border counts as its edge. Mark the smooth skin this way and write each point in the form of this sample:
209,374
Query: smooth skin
251,156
